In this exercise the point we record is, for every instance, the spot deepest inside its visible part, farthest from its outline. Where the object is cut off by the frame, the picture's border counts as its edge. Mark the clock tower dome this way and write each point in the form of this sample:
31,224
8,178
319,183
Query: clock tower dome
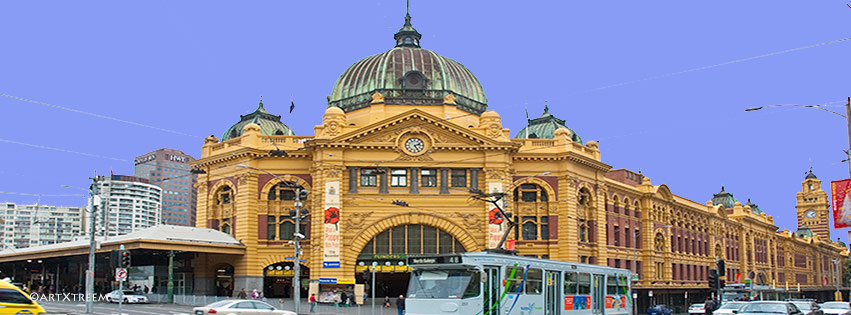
813,207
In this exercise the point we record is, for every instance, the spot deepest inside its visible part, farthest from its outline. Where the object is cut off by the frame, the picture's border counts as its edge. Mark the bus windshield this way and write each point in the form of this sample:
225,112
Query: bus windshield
444,284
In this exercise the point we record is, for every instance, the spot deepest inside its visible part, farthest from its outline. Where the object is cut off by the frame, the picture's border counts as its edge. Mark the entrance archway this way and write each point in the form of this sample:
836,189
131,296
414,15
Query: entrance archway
278,280
224,280
390,250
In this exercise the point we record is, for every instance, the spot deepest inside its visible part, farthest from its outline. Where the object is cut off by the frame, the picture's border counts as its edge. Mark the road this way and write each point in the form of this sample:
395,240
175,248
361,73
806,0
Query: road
104,308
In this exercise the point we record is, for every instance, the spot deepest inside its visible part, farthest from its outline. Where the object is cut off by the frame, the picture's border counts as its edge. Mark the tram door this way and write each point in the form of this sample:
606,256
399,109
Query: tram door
490,290
552,293
598,295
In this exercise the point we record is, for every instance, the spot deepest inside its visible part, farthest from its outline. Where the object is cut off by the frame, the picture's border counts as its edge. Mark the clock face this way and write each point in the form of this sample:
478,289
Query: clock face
811,214
414,145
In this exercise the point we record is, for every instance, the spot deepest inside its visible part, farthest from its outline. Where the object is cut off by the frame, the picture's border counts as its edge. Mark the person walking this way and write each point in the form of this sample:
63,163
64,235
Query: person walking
255,294
344,298
400,305
312,301
242,294
708,306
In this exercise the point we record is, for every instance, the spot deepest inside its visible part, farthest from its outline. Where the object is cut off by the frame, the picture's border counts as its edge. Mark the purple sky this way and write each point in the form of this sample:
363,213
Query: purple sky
193,67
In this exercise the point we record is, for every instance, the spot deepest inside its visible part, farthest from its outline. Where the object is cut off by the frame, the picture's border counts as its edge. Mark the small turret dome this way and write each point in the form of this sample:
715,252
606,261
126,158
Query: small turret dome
269,124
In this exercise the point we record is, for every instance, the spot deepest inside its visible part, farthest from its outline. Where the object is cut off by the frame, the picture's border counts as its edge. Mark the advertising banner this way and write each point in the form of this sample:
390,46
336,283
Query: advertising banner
331,236
841,203
496,223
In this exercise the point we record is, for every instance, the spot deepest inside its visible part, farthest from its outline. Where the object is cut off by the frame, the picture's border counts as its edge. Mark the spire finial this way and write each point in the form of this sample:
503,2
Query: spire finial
546,106
408,8
261,101
407,36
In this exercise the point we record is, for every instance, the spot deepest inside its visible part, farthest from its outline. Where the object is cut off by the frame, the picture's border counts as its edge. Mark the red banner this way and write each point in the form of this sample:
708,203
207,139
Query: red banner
841,203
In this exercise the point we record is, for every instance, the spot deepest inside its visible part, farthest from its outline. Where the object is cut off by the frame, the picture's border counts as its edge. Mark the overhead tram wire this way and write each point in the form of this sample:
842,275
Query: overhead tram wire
709,66
61,150
98,115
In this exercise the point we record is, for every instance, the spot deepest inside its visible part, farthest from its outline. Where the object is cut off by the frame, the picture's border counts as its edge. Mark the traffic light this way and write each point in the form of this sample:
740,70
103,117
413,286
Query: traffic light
722,283
124,257
722,269
713,280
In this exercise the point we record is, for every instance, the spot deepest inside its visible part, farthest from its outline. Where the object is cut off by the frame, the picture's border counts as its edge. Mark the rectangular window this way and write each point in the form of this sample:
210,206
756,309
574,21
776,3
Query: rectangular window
513,279
545,228
611,285
617,236
534,280
459,178
369,177
399,178
428,178
627,239
529,196
584,283
270,228
398,239
530,228
570,283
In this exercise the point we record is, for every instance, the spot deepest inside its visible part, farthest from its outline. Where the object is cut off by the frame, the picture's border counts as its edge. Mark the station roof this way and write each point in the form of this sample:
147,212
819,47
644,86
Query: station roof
161,237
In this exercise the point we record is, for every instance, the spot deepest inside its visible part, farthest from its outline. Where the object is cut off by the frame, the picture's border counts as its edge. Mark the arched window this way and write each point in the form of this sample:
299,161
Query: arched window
534,223
283,228
225,226
283,191
530,193
584,197
412,239
660,242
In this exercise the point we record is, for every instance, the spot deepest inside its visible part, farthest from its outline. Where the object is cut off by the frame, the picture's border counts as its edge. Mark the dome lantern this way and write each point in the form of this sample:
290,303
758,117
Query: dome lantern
269,124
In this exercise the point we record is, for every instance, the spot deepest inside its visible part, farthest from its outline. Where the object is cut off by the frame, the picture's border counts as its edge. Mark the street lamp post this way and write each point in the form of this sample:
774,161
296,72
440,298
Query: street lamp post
297,236
838,296
94,190
847,117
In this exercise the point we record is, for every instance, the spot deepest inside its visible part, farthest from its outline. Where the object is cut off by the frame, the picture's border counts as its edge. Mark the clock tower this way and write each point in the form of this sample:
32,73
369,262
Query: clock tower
813,207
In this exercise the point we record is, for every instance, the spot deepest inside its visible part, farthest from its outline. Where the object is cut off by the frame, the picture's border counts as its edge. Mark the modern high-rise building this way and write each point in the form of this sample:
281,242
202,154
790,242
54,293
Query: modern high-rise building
170,170
133,203
33,225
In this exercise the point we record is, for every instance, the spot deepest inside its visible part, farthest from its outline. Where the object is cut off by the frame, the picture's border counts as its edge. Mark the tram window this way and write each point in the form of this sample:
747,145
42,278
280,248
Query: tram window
584,284
473,287
534,280
570,283
513,279
611,285
623,284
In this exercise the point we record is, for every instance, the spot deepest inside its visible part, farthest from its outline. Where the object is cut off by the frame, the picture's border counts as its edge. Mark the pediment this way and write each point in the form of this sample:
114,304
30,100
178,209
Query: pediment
441,132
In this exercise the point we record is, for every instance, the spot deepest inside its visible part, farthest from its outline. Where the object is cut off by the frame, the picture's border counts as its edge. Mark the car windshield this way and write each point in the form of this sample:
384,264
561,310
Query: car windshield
443,284
836,305
756,307
731,306
219,303
804,306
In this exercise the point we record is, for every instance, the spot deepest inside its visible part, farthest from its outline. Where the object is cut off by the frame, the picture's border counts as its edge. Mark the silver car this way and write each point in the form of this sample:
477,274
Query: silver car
729,307
239,307
836,308
126,296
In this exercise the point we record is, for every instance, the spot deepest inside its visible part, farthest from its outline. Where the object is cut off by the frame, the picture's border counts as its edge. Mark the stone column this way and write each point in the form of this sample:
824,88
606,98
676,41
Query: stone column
353,179
382,180
414,180
444,180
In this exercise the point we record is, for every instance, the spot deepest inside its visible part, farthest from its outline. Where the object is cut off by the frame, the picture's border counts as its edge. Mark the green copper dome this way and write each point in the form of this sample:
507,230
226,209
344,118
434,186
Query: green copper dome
544,127
754,207
724,198
408,75
804,231
269,124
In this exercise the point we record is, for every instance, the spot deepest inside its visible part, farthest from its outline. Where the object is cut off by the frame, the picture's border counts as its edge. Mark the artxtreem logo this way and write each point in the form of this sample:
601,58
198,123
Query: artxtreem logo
69,297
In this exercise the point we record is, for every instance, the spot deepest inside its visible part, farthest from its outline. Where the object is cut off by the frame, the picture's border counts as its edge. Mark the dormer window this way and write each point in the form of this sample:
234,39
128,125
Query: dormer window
413,80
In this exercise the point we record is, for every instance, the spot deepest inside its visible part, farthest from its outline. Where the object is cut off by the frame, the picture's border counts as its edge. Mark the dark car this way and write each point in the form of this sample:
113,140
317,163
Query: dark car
770,307
808,307
660,309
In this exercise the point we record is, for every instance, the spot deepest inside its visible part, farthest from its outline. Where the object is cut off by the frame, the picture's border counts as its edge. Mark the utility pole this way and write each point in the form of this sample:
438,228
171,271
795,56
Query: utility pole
170,289
297,238
838,296
848,124
94,190
372,287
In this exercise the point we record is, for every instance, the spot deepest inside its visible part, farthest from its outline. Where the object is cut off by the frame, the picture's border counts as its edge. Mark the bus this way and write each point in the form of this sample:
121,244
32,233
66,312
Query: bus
487,283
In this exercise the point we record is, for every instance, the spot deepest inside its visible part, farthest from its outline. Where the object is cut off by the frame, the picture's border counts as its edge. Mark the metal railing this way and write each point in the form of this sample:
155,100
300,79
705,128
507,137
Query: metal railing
283,304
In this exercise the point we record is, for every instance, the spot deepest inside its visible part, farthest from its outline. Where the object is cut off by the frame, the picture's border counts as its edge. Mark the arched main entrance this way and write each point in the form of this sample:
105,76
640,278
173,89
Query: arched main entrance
390,250
278,280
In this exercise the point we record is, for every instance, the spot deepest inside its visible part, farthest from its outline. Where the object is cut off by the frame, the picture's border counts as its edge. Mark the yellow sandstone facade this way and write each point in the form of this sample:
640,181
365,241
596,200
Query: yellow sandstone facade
411,126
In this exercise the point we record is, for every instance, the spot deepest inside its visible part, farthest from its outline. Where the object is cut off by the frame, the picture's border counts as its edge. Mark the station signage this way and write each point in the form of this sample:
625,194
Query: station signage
434,260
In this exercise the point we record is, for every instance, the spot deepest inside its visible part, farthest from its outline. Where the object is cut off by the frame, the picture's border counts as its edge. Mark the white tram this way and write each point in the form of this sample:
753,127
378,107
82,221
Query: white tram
485,283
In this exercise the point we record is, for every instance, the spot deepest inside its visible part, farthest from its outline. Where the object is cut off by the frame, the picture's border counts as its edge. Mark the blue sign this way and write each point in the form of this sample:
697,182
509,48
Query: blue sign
331,264
328,280
292,257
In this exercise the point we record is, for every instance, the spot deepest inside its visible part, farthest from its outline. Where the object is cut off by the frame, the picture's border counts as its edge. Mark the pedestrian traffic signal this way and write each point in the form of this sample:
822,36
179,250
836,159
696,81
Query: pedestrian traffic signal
722,284
722,269
124,257
713,280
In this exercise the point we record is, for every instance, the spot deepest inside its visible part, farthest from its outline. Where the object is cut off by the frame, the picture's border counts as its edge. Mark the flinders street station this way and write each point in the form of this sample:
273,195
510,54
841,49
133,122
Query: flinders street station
392,168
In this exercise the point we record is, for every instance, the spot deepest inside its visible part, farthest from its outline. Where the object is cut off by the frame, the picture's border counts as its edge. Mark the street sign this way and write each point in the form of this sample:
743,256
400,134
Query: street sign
120,274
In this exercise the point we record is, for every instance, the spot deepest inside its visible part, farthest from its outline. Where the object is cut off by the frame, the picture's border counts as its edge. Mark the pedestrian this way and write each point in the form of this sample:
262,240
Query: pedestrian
255,294
708,306
387,301
154,289
400,305
344,298
242,294
146,289
312,301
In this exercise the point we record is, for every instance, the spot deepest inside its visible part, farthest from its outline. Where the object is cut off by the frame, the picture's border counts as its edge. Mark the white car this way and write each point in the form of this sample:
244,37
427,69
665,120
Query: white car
729,307
836,308
127,296
697,308
239,307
